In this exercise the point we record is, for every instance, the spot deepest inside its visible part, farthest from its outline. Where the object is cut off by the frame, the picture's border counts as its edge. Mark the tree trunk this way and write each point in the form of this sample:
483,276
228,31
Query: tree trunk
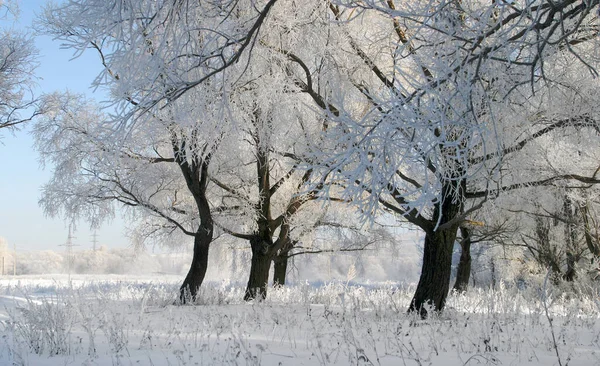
280,263
571,236
493,271
202,240
434,282
589,239
548,254
571,272
195,276
194,168
260,266
464,265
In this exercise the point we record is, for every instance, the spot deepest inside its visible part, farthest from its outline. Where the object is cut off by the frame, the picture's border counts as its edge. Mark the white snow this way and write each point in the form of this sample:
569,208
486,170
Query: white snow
117,320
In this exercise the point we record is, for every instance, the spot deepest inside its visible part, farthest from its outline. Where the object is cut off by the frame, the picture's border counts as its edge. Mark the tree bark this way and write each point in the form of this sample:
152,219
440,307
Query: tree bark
197,272
571,272
280,263
571,236
262,256
196,177
434,283
548,254
589,239
464,265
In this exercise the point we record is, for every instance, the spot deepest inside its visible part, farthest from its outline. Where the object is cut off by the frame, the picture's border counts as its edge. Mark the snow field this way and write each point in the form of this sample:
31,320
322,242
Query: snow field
115,321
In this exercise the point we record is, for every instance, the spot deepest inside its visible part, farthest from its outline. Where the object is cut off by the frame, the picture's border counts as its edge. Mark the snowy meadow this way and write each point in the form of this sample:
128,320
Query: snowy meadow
314,138
118,320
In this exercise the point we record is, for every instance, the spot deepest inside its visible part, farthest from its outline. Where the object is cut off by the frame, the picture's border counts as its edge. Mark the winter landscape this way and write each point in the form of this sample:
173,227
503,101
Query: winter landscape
134,319
317,182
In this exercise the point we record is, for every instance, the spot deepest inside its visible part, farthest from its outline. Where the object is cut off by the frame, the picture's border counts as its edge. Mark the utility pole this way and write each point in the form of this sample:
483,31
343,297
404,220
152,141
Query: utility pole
69,246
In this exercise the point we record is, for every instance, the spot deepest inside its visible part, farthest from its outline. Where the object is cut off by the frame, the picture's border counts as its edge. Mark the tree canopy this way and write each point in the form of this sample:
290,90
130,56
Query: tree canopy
427,109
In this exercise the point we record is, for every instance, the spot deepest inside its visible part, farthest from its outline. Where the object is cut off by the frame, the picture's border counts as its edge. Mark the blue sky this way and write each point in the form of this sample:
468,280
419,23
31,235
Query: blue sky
22,221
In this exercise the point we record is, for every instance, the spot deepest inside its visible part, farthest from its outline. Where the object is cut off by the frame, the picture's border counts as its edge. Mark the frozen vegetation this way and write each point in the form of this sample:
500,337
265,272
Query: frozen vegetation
263,130
103,320
338,310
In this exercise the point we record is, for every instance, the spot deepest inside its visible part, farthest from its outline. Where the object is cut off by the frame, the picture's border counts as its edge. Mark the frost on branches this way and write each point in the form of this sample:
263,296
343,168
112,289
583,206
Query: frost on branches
154,52
442,99
227,112
183,159
17,65
166,66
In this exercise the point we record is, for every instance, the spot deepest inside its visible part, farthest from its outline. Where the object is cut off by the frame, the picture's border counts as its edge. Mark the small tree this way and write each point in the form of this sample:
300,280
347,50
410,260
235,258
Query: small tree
473,233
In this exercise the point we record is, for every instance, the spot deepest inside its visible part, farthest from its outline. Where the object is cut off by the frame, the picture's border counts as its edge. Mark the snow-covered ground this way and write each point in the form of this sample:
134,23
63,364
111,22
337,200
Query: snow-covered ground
125,320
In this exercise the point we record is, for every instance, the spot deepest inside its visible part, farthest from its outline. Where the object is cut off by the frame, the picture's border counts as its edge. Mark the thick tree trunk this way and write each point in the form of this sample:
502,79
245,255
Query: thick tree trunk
195,276
280,263
464,265
434,282
260,266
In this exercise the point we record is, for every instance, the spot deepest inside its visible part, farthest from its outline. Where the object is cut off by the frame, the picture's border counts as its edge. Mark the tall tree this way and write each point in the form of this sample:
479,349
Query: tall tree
170,68
160,172
264,187
445,95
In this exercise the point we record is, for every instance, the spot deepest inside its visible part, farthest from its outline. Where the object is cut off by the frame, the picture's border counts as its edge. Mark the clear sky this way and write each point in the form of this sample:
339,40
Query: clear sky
22,221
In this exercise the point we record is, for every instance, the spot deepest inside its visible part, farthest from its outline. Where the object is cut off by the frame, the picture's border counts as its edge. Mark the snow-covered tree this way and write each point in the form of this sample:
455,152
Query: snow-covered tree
243,131
268,198
170,68
436,101
17,65
160,171
430,108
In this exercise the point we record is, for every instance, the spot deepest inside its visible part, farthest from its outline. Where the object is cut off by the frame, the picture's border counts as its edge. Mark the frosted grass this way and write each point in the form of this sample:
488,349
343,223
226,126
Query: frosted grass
110,321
